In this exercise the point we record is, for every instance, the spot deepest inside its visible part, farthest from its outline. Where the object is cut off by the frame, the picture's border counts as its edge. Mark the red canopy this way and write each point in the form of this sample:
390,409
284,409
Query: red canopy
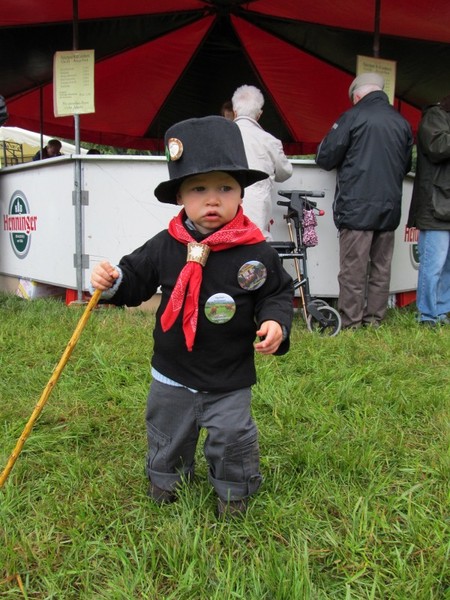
161,62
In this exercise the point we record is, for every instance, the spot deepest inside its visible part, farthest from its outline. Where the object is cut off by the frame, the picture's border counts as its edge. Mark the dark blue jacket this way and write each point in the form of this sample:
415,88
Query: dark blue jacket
370,146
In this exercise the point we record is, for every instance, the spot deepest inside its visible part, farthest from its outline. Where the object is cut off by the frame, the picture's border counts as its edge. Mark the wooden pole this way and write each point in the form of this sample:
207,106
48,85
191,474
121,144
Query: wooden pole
376,29
50,385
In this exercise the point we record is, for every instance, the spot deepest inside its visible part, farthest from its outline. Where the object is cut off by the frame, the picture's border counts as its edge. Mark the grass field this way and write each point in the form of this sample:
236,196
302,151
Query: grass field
354,436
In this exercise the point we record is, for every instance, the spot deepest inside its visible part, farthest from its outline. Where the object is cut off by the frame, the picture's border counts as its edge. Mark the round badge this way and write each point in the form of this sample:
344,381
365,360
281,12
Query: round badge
220,308
175,148
252,275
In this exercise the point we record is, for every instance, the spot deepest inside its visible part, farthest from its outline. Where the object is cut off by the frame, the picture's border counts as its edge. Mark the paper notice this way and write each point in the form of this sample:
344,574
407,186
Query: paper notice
73,76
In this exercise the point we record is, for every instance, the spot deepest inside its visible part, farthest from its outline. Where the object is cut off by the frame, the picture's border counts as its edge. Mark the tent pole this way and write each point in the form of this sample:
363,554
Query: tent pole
41,116
78,194
77,180
75,47
376,29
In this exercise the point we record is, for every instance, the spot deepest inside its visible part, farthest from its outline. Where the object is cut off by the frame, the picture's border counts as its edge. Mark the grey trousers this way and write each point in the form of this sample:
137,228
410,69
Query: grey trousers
365,259
174,418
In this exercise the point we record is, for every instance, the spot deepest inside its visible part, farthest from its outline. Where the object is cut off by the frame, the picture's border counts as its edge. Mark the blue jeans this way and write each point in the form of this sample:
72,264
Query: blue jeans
433,288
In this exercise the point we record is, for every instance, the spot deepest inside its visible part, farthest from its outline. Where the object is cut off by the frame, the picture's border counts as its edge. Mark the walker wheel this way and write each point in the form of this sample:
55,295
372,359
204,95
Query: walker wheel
329,324
319,302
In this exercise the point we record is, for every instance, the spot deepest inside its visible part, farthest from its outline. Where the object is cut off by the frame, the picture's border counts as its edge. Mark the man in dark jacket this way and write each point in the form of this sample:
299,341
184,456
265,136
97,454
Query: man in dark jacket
51,150
430,212
370,146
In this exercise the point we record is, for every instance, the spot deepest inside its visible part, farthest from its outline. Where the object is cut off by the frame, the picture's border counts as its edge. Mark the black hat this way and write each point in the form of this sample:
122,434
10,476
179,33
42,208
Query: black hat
203,145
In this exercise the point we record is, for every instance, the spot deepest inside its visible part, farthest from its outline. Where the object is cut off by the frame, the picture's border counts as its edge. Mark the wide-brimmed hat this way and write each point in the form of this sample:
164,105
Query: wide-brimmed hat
203,145
365,79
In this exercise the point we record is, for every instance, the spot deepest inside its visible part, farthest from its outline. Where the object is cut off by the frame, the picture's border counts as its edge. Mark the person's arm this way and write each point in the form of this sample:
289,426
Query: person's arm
274,308
133,281
104,276
434,135
408,161
333,148
271,335
282,166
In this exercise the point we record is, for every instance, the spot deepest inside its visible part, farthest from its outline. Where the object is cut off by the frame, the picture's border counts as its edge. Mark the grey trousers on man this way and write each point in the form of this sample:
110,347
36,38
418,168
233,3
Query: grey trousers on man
174,418
365,259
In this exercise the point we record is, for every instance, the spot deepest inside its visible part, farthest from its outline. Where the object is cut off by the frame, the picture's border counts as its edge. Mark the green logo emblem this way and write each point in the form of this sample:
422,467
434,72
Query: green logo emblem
20,224
414,253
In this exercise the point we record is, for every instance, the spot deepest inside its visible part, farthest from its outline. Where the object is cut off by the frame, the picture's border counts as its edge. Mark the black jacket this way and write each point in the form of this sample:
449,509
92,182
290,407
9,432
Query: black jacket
370,146
222,358
433,169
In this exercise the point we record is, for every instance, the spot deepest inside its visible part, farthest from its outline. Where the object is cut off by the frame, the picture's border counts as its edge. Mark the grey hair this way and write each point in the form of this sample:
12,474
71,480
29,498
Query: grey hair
363,90
248,101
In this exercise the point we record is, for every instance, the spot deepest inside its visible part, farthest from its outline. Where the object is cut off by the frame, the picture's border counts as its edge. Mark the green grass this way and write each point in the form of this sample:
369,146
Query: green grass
354,435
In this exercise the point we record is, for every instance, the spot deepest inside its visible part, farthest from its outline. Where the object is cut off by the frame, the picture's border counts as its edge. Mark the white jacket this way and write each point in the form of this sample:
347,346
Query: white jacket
264,152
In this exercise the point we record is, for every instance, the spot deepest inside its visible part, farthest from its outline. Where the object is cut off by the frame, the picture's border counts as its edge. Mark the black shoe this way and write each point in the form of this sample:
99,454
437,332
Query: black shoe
159,495
372,324
231,508
428,323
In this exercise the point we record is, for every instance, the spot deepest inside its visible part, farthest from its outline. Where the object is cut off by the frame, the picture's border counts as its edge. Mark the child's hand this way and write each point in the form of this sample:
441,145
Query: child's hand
103,276
272,335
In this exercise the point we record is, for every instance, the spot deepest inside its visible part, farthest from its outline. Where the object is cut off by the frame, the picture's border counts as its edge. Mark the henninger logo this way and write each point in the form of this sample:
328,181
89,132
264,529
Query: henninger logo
20,224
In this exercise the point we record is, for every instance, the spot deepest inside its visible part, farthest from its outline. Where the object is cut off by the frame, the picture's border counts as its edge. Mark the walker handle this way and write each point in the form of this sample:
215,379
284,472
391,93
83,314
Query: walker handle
309,204
288,203
308,193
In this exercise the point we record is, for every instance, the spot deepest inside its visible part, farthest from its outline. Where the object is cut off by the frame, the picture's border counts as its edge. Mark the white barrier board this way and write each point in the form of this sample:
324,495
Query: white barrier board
37,236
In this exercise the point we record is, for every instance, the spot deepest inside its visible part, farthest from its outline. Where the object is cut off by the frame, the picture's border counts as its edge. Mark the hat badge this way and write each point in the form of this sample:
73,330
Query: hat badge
174,149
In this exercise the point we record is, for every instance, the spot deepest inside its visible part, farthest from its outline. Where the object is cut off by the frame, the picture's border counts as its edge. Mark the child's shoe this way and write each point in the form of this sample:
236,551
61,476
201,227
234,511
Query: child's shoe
159,495
227,509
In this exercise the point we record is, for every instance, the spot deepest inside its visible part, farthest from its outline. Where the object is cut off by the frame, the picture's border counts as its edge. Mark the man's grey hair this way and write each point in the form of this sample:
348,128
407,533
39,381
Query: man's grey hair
363,90
248,101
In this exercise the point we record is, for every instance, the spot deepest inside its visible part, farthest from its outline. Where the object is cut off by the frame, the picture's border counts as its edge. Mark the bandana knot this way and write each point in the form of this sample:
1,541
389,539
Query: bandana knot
197,253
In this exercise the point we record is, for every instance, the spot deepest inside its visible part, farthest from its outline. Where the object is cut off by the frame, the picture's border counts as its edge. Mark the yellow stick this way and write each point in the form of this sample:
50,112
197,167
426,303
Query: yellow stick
50,385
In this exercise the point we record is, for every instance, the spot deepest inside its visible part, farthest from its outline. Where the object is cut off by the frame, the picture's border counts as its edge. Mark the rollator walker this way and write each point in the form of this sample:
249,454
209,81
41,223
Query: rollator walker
319,316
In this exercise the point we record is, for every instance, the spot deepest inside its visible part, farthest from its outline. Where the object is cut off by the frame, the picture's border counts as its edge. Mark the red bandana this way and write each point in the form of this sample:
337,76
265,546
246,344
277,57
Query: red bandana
238,232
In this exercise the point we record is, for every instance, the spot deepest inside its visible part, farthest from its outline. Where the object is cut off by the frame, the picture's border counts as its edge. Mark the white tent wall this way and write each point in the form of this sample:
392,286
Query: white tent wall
120,212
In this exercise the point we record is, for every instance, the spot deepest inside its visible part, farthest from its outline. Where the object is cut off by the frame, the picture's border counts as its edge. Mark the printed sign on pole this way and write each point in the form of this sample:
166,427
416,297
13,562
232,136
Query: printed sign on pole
73,76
